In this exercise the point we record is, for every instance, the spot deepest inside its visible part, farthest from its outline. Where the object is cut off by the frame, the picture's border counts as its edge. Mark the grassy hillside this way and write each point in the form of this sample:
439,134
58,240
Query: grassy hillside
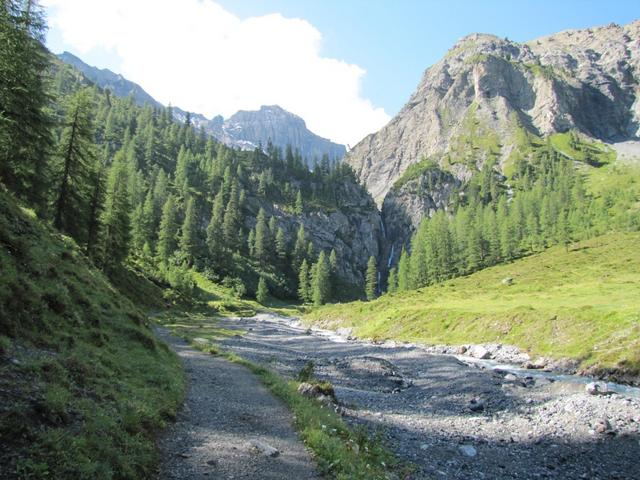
83,383
581,304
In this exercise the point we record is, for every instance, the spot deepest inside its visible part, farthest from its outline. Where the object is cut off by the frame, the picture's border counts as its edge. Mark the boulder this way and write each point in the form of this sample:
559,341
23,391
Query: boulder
263,448
597,388
467,450
478,351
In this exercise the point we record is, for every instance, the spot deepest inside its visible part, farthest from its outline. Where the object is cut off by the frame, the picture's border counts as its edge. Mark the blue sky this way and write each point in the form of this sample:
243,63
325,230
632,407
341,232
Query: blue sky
346,67
395,41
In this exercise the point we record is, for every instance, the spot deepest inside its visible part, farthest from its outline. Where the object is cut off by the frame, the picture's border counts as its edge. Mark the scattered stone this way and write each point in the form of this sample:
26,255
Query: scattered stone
476,405
507,281
213,463
263,448
510,377
597,388
424,446
462,349
478,351
603,426
201,341
538,364
467,450
184,455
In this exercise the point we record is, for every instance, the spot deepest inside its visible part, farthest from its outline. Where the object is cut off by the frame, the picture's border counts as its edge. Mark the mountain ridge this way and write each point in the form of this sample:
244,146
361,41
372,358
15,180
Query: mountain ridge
246,129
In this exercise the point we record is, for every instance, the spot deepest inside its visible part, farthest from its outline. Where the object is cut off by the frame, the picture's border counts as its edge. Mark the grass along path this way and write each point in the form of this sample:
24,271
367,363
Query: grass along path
581,304
340,451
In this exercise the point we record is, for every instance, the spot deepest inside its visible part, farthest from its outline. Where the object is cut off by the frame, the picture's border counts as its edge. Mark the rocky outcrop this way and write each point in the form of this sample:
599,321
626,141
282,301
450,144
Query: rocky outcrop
353,229
472,104
248,129
406,205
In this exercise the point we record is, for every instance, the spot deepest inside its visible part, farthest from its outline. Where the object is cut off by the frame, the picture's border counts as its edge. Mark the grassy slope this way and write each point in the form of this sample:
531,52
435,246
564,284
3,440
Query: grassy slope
83,383
582,304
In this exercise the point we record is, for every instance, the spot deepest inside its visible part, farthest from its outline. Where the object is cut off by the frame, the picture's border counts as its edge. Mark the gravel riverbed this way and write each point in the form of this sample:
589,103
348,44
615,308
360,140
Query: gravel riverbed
452,419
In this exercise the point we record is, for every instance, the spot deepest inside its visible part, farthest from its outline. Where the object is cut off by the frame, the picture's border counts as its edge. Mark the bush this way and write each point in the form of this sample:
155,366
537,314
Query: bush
180,279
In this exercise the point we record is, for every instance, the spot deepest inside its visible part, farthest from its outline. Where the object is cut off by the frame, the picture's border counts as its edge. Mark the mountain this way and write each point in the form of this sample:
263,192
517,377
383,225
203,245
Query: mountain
245,129
248,129
109,80
487,102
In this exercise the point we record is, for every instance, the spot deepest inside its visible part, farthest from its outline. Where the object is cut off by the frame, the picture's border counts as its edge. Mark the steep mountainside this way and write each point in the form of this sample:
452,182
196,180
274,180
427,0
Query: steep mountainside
491,101
473,103
245,129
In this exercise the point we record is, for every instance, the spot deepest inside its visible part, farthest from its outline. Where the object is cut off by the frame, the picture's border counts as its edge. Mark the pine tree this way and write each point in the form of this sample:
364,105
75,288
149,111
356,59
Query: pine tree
333,263
299,248
403,271
392,281
320,282
116,216
214,229
25,134
231,222
303,282
371,285
76,164
281,245
96,207
299,206
189,234
263,250
262,294
167,236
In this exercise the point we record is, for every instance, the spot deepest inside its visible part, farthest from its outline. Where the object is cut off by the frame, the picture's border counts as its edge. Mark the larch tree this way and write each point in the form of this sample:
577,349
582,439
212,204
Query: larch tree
116,219
167,236
371,279
321,280
75,166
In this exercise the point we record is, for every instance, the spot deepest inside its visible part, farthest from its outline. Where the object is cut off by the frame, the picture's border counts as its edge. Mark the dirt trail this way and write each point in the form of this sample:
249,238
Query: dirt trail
452,420
226,409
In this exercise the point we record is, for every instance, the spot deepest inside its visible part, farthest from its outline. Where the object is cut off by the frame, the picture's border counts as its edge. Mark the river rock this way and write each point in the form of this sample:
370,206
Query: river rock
510,377
467,450
478,351
597,388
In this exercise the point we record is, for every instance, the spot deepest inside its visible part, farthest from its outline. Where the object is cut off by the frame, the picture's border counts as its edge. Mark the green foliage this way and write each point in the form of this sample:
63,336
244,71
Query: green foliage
304,287
414,171
371,279
556,297
320,280
25,134
93,386
262,294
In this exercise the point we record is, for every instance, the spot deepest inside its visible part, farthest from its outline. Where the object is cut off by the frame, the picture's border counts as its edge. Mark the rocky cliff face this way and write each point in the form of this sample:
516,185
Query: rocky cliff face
248,129
354,230
486,89
477,102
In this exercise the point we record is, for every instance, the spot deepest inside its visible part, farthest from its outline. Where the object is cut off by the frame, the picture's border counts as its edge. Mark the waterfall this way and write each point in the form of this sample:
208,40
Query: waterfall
390,256
384,231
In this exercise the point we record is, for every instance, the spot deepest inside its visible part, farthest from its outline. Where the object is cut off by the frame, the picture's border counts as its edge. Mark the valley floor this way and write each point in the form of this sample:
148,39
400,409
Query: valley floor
226,421
450,419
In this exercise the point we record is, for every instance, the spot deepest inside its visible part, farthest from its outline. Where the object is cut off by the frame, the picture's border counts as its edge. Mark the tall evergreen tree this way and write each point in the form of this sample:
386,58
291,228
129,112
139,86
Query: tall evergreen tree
392,280
76,167
281,245
231,222
189,233
320,282
262,294
371,285
116,216
263,250
25,134
403,271
215,239
304,286
167,236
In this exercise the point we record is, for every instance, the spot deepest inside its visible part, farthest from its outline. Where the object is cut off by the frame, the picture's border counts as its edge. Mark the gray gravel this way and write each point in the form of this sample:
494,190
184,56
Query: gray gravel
230,427
454,420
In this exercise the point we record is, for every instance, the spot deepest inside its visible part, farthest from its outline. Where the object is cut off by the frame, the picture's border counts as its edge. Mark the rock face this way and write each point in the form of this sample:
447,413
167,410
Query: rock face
478,101
354,230
586,80
248,129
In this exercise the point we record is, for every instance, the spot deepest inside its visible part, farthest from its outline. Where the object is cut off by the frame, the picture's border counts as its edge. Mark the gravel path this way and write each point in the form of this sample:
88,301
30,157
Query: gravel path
228,424
454,420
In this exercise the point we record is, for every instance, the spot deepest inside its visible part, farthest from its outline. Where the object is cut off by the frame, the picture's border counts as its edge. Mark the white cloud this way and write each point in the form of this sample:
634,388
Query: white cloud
196,55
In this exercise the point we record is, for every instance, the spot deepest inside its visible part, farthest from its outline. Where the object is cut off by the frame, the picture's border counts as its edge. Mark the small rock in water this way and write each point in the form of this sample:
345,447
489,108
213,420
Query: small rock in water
263,448
467,450
596,388
510,377
478,351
